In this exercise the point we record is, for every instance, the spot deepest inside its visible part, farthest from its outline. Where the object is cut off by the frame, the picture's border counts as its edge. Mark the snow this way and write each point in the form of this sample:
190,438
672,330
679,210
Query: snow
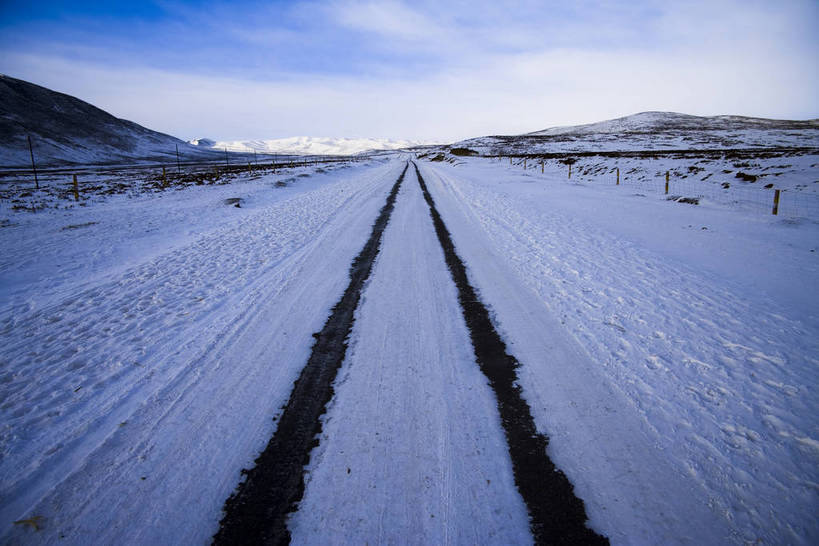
121,396
671,365
303,145
669,351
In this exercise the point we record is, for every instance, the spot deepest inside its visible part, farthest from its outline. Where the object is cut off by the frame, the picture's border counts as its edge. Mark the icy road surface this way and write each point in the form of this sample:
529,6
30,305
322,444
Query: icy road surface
146,349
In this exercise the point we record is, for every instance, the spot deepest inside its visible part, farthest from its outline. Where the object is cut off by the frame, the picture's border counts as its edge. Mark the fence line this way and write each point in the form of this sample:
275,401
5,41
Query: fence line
792,203
77,183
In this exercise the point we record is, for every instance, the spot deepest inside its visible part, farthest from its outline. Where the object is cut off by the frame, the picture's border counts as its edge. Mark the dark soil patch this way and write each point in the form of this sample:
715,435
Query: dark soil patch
257,511
556,515
681,199
701,154
78,226
462,152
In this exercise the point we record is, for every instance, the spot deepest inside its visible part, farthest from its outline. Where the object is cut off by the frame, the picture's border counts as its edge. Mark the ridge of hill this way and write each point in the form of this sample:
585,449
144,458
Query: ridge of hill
65,130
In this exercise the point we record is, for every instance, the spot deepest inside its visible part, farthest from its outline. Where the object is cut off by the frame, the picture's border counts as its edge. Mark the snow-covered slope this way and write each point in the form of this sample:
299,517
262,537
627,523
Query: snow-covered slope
302,145
672,121
66,130
657,131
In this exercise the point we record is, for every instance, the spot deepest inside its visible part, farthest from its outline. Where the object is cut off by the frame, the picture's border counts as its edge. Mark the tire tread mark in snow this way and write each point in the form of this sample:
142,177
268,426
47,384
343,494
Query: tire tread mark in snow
556,514
256,513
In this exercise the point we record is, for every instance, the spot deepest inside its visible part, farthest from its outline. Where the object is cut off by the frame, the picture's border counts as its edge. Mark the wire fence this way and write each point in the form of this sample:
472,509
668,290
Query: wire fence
66,186
758,200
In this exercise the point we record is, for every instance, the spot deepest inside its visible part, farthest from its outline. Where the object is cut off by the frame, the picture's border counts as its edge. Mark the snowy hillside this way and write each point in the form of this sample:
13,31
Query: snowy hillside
655,122
306,145
65,130
660,131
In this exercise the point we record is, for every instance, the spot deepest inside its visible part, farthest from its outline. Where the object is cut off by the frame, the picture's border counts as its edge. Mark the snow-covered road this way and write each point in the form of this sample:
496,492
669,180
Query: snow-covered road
676,391
412,446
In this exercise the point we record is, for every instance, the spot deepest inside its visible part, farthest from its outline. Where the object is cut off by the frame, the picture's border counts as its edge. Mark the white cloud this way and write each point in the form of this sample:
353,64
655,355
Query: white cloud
390,19
700,59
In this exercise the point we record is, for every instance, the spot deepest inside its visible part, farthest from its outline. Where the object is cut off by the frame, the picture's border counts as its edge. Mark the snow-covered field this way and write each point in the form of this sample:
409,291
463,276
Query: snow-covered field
739,184
669,351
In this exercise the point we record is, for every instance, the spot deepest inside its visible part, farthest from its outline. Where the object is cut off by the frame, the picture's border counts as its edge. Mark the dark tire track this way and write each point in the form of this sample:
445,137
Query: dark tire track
556,515
257,512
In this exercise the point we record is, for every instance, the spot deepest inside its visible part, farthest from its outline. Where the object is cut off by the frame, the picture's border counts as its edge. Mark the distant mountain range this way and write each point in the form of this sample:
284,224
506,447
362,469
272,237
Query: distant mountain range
307,145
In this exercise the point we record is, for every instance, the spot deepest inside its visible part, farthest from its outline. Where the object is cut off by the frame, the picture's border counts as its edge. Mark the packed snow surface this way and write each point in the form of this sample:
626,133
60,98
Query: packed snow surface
414,429
669,351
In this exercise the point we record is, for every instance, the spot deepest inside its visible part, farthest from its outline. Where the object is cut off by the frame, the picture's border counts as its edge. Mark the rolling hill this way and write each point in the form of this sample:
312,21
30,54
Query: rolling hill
658,131
65,130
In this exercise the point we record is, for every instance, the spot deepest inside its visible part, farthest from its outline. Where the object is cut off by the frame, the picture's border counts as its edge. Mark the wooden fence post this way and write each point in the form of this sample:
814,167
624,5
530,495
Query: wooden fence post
541,167
666,182
570,170
76,189
164,179
775,210
618,176
33,166
524,163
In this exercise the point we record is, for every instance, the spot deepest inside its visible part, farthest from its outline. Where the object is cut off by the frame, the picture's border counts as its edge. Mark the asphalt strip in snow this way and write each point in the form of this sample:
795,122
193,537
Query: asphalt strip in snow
257,511
556,515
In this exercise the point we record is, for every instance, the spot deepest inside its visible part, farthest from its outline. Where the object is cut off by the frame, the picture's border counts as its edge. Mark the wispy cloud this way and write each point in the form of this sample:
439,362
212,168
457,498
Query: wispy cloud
390,20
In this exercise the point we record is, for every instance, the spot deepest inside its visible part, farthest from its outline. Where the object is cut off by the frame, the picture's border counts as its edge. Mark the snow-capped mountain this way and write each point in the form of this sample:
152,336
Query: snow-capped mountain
303,145
657,131
67,130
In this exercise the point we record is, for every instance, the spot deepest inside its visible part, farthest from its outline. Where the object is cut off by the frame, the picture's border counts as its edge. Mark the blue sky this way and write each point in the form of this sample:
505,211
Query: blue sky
421,70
